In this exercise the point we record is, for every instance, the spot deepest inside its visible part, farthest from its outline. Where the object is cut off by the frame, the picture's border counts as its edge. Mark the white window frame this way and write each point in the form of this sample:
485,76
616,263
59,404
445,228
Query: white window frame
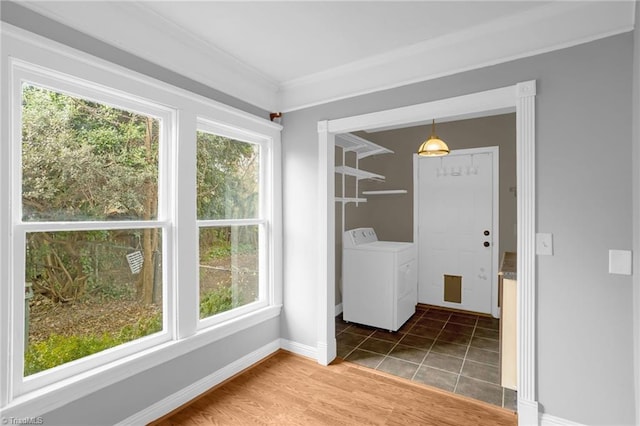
262,220
78,73
23,72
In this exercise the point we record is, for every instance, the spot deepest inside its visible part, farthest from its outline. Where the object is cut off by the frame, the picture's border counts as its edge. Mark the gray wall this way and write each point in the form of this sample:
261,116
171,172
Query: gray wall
636,208
583,195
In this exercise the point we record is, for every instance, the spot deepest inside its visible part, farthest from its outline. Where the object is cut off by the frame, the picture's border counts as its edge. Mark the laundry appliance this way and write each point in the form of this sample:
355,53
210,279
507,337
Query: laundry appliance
380,280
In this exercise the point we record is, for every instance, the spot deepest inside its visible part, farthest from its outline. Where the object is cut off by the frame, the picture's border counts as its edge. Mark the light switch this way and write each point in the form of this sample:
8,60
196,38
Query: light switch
544,244
620,262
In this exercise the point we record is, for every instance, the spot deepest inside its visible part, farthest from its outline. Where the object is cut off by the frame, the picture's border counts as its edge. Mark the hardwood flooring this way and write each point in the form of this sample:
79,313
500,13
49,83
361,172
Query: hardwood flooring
287,389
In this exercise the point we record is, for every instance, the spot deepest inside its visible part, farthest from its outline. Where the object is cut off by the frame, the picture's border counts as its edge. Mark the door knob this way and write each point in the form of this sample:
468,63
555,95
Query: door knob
486,232
486,244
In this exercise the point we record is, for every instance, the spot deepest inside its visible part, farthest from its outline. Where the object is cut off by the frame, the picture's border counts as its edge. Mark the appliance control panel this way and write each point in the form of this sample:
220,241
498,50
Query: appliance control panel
358,236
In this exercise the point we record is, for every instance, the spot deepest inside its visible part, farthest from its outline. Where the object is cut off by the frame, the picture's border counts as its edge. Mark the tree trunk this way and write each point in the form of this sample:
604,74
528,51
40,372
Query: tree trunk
149,236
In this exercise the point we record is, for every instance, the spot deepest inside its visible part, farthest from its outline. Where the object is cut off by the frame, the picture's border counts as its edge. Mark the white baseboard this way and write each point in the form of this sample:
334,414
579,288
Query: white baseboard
185,395
299,348
528,412
549,420
338,309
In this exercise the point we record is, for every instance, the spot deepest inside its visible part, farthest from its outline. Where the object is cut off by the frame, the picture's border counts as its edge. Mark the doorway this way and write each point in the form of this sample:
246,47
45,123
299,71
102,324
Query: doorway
520,97
451,350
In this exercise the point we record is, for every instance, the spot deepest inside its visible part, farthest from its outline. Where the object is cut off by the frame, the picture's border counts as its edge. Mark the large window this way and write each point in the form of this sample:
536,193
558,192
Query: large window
88,226
133,230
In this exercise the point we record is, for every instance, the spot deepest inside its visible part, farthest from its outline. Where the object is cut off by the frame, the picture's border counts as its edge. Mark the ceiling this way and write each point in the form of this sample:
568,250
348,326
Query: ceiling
287,55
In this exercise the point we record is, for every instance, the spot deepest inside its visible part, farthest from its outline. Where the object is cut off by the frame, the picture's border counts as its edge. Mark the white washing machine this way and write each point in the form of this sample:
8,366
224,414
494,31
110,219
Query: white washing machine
380,280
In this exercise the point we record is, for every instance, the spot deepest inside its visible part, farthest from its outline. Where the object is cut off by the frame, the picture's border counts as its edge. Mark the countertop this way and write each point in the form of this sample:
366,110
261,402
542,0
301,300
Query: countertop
509,266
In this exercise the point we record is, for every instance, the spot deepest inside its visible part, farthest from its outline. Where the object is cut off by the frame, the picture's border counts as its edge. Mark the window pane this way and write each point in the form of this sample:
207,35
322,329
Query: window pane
229,268
87,291
228,178
83,160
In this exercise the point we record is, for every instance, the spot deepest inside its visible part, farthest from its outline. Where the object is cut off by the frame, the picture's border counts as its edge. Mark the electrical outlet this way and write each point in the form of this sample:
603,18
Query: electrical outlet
620,262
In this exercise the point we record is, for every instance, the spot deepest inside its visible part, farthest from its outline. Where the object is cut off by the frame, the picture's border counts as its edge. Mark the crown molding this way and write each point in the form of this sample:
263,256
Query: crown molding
150,36
554,26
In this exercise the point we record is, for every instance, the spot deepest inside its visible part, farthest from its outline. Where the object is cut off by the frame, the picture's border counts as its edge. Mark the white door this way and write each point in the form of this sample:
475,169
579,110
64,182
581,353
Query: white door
456,210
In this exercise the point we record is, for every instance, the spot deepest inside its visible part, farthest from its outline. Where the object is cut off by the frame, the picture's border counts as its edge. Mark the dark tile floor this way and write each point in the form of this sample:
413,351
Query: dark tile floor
454,351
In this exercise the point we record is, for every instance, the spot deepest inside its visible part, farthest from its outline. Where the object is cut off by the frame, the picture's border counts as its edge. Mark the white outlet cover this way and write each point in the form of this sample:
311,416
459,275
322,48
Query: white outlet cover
620,262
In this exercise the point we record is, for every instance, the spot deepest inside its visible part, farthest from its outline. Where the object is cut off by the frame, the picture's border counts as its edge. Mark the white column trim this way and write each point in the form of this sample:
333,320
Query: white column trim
326,341
519,97
526,258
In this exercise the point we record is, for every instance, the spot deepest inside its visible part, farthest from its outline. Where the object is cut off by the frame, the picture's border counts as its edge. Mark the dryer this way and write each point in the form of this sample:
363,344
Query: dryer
380,280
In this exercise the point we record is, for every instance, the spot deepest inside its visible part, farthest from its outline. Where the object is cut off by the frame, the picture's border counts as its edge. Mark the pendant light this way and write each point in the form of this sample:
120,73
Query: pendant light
434,146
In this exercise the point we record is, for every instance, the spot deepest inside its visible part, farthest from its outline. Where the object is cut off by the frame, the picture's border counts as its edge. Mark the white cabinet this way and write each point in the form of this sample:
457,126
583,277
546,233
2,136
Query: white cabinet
508,285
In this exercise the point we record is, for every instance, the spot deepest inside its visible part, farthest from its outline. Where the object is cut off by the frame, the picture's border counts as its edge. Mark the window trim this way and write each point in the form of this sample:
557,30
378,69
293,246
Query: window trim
23,72
20,45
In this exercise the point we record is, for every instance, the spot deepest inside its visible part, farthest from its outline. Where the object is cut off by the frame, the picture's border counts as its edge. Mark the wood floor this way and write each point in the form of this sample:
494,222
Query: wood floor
287,389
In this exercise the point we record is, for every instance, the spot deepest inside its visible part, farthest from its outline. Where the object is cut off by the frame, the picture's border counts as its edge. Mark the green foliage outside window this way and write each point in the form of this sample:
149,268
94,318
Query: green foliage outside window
88,161
227,178
58,349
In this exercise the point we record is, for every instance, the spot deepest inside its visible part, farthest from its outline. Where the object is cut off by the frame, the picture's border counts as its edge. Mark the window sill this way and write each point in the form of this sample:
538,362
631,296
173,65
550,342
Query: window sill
50,397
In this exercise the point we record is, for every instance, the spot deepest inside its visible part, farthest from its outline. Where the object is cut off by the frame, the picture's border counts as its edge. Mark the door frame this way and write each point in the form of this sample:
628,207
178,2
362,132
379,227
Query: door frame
520,97
495,219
